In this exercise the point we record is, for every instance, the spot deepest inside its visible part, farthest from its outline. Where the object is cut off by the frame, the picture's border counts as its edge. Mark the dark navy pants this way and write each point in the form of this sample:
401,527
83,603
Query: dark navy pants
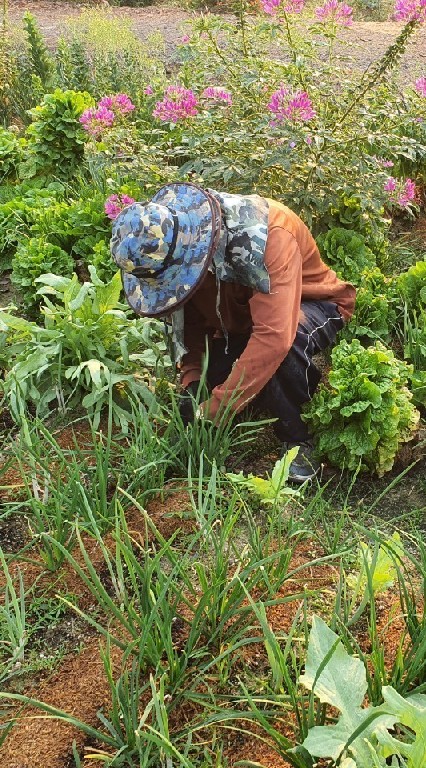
297,377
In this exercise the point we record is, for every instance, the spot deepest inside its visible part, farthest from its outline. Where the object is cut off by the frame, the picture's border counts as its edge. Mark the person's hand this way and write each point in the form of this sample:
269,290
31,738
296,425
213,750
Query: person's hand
187,403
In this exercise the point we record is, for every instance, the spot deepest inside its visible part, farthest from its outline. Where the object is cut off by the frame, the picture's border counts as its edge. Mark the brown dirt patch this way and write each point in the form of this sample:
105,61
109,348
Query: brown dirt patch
364,42
80,688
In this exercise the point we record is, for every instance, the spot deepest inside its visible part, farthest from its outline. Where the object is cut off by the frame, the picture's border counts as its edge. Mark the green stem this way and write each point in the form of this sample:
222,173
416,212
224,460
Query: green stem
242,20
4,19
385,64
292,47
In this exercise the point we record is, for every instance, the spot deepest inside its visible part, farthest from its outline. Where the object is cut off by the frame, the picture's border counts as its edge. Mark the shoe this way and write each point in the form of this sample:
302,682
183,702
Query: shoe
304,466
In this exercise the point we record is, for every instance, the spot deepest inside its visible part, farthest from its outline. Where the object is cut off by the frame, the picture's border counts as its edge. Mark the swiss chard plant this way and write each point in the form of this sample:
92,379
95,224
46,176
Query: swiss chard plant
82,353
364,736
365,412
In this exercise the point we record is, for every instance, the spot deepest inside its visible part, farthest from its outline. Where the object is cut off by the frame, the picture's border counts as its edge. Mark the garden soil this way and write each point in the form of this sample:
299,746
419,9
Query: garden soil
79,686
364,42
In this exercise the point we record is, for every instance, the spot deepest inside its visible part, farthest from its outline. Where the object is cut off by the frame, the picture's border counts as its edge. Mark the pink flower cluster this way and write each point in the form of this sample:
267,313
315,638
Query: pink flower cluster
420,86
289,6
401,193
410,10
335,12
215,93
178,104
96,120
287,105
118,103
114,204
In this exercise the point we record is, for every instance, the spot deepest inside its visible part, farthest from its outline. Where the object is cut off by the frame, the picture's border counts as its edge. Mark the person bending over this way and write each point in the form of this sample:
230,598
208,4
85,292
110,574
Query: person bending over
242,274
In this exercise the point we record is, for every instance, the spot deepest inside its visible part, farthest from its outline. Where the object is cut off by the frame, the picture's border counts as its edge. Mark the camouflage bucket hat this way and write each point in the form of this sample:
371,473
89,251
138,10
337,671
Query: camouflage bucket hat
165,246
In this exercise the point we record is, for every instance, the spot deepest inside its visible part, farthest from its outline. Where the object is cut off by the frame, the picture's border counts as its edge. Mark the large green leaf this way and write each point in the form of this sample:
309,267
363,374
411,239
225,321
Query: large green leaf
340,680
410,712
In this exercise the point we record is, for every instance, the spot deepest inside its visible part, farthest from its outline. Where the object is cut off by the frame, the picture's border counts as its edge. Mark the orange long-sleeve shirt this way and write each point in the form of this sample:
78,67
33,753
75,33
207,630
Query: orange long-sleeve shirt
297,273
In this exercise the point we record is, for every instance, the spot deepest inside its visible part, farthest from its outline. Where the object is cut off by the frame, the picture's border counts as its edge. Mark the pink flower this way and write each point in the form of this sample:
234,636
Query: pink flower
390,185
410,10
401,193
408,194
185,39
420,86
178,104
309,140
114,204
285,105
214,93
118,102
336,12
289,6
383,163
96,120
148,91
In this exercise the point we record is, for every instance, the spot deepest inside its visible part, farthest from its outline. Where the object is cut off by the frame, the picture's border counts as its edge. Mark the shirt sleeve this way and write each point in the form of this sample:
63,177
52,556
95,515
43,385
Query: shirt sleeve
195,342
275,317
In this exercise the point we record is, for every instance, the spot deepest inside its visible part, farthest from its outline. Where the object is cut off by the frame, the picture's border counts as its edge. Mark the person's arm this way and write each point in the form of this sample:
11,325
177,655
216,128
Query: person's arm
195,342
275,317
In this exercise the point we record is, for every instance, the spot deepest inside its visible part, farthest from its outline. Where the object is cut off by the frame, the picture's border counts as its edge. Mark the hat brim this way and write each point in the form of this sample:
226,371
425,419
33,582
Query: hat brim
196,243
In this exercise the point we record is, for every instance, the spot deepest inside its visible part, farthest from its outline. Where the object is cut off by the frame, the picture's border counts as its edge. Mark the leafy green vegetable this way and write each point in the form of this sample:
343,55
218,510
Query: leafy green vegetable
345,251
377,571
84,350
273,488
55,137
375,312
412,285
35,257
365,413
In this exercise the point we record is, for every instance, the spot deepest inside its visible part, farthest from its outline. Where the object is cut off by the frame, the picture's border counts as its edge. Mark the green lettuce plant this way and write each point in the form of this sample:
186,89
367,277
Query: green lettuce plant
81,355
365,412
35,257
361,737
20,210
412,286
11,150
375,307
414,341
346,252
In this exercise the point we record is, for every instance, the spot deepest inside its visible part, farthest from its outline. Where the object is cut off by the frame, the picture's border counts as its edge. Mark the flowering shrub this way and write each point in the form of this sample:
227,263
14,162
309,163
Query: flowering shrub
118,103
420,86
97,120
115,204
335,12
287,105
178,104
288,6
402,193
410,10
215,93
